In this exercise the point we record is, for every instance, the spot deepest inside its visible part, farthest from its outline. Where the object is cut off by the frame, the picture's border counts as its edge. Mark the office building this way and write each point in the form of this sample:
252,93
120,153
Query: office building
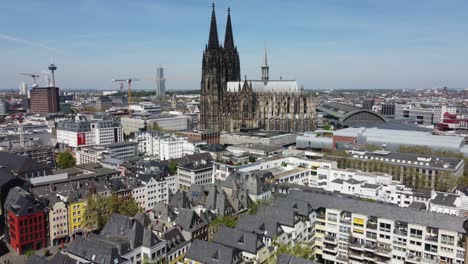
4,107
420,116
160,82
138,123
86,133
388,110
23,89
45,100
95,154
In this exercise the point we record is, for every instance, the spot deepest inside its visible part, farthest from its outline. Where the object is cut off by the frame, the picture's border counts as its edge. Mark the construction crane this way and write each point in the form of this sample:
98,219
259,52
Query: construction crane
19,118
129,90
32,75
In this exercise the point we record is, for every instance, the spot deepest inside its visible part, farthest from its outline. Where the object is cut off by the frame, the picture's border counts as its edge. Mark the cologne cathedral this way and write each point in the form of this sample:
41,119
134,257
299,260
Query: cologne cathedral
231,104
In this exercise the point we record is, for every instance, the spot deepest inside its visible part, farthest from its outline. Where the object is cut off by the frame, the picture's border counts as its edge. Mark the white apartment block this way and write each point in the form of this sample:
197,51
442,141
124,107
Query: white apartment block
175,147
76,134
154,189
347,230
198,172
149,142
309,167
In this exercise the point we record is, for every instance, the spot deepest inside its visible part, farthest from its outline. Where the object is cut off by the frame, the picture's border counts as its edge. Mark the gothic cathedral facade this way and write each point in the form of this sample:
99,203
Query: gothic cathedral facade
229,104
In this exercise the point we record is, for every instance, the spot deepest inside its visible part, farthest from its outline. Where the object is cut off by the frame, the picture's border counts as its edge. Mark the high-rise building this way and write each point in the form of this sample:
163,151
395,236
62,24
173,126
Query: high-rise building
45,100
24,89
3,107
160,82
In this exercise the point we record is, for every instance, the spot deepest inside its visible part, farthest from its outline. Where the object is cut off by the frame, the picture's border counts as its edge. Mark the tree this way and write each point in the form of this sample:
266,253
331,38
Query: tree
172,166
100,208
299,250
155,127
65,160
252,159
129,208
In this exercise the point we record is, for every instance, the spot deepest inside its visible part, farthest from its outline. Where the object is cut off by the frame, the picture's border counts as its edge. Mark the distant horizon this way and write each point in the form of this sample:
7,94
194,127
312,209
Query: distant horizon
4,90
337,44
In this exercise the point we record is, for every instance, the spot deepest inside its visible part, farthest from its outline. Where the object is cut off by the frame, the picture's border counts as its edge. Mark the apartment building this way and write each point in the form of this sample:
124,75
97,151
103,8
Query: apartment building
149,142
352,230
197,172
25,221
342,229
152,189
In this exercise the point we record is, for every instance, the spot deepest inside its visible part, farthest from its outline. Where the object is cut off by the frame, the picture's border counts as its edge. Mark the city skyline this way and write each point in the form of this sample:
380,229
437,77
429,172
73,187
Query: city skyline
324,45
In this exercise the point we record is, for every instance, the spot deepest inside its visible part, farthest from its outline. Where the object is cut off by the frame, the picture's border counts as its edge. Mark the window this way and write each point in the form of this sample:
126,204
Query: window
448,240
416,233
385,227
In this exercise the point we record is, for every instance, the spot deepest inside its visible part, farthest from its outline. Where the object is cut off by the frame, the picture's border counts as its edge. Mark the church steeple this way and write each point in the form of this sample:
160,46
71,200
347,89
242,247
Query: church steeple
265,67
228,37
213,42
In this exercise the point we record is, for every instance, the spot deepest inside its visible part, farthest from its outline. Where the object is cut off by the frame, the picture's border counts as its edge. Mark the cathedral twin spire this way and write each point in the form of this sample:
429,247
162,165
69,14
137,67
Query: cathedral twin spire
213,41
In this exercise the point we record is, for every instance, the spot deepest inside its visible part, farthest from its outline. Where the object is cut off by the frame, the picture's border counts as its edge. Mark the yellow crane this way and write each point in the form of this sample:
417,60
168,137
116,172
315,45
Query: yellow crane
129,90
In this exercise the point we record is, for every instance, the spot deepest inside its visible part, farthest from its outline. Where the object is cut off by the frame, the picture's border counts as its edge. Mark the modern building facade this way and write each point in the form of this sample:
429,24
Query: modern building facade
45,100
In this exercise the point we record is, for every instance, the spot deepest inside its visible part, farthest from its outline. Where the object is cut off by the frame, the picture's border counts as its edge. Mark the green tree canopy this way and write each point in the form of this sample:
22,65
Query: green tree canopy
65,160
172,166
100,208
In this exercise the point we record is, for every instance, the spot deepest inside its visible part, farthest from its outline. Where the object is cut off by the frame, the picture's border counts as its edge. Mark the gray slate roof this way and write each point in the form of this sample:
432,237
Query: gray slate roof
89,248
287,259
239,239
210,253
189,220
445,199
21,202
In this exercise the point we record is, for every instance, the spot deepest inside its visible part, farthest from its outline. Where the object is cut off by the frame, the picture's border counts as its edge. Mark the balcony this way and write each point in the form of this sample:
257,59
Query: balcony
330,239
356,246
345,220
342,258
384,251
430,260
370,247
413,258
432,238
400,231
355,254
369,256
371,225
321,216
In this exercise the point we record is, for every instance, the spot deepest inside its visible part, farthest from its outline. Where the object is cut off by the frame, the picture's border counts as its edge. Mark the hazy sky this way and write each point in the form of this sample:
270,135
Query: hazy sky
321,43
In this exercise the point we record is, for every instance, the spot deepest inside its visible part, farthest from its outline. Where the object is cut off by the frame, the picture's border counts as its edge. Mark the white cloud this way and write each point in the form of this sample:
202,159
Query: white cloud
26,42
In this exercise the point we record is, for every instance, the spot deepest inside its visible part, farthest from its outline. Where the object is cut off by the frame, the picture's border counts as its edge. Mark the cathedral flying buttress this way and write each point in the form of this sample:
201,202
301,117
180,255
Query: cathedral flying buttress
230,104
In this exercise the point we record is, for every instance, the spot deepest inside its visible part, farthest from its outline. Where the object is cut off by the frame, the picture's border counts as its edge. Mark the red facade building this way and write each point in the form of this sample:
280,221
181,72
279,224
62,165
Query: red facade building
25,221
